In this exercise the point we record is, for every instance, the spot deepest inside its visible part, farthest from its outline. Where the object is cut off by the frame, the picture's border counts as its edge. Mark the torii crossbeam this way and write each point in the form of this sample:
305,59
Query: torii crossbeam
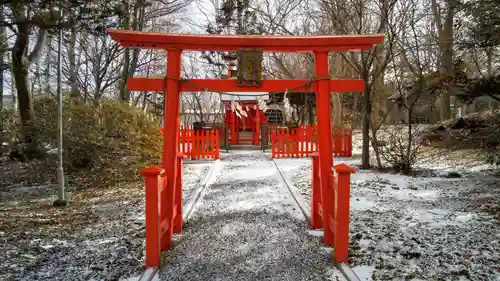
173,85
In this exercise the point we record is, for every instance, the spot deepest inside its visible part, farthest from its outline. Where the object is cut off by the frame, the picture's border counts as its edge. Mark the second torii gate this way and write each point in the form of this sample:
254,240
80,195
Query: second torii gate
160,224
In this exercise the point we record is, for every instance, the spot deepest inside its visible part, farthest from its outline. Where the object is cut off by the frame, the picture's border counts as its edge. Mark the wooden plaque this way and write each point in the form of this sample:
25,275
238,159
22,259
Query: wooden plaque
250,67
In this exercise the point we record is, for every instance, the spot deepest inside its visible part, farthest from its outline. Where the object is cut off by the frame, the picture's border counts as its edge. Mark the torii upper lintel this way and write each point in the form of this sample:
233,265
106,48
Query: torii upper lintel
269,43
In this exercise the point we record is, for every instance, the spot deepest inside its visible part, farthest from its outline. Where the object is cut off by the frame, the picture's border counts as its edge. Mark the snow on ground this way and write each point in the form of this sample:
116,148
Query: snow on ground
417,228
100,236
248,227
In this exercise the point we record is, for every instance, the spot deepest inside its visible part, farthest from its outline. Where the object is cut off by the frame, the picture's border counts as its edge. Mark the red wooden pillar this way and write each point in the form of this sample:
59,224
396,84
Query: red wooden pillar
257,126
325,139
153,189
178,195
233,127
342,202
316,194
171,139
237,123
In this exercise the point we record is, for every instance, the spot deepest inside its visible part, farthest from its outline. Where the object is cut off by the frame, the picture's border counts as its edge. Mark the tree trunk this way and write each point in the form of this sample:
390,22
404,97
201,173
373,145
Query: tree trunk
130,63
20,71
20,65
489,57
365,156
47,67
3,38
445,30
337,110
124,93
310,111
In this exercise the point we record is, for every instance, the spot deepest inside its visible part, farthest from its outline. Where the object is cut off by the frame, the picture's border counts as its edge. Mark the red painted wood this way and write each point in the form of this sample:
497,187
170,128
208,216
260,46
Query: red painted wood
170,144
325,139
341,216
178,196
316,194
233,127
199,145
200,85
217,145
303,141
153,187
332,43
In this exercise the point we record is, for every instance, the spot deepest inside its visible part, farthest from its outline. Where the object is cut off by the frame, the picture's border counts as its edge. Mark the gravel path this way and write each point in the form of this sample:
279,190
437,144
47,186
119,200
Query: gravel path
247,227
193,174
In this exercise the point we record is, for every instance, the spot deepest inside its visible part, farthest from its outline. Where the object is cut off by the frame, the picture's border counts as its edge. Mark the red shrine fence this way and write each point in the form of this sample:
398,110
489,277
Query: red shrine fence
198,144
303,141
285,142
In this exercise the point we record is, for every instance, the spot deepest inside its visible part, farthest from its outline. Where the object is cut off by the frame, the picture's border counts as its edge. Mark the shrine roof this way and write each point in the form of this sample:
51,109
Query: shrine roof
273,43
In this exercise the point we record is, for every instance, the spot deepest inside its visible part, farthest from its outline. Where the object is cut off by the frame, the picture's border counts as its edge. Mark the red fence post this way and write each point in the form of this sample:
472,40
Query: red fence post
217,144
341,216
275,140
316,221
152,176
194,143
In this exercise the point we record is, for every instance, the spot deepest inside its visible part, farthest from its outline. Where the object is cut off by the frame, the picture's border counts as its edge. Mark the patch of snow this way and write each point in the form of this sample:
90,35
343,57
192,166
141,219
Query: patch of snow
364,272
417,228
316,233
335,275
362,204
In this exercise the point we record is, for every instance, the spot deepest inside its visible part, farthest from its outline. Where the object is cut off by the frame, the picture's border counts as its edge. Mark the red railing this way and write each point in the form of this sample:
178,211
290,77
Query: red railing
163,211
202,144
294,143
330,207
302,141
199,144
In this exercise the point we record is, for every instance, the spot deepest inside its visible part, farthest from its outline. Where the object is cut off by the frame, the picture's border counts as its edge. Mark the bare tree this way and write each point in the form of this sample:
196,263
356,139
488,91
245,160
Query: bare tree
206,106
139,12
365,17
409,69
445,32
101,54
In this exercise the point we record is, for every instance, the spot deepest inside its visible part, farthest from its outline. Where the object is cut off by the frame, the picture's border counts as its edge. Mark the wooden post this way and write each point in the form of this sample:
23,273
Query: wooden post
325,138
152,176
233,127
172,98
257,127
217,144
178,195
341,218
316,193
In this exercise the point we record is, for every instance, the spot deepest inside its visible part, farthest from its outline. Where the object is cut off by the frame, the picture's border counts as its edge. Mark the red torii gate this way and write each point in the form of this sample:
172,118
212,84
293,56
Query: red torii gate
163,224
